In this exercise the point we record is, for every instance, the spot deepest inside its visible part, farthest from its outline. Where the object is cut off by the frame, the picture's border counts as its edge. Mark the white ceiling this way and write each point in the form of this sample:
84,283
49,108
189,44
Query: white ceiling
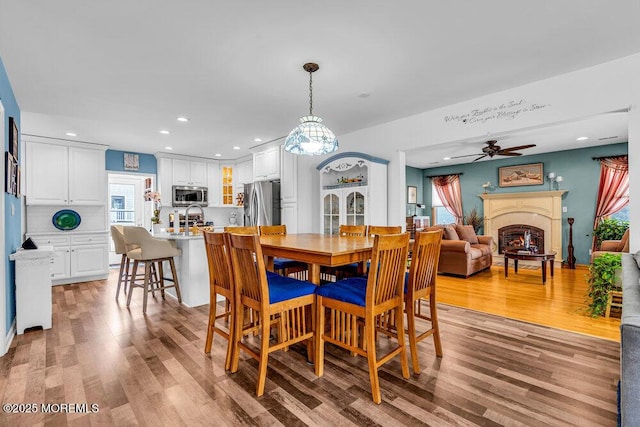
118,72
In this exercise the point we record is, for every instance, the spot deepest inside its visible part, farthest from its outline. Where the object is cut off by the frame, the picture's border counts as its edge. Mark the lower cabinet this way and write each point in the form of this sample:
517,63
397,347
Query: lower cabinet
77,257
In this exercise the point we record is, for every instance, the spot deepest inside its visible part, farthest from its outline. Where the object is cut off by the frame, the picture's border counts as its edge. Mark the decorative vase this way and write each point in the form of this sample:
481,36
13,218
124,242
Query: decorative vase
156,228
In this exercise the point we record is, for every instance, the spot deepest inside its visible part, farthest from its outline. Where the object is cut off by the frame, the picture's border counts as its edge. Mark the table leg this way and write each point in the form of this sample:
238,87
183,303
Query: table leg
515,265
506,267
544,272
314,274
268,261
551,266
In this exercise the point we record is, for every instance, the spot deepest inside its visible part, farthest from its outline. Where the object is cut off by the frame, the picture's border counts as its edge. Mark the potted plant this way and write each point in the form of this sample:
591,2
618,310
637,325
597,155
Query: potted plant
474,219
610,229
604,275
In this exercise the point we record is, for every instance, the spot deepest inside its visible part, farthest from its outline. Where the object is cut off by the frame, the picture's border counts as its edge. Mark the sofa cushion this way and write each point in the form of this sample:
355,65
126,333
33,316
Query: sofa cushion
475,252
449,233
466,232
636,257
484,249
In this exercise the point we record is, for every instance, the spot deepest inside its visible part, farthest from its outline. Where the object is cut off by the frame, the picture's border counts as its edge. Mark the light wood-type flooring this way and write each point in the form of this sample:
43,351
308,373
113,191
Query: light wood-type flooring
151,370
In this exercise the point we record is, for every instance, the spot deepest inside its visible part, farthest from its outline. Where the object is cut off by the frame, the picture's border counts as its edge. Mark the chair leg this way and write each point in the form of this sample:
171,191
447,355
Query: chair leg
411,330
147,286
370,341
127,275
265,327
161,278
229,358
434,325
120,276
404,363
212,321
175,279
237,319
132,282
319,337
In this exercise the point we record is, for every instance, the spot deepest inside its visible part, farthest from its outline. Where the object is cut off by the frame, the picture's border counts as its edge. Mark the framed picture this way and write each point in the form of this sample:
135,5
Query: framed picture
13,138
412,194
10,179
131,162
513,176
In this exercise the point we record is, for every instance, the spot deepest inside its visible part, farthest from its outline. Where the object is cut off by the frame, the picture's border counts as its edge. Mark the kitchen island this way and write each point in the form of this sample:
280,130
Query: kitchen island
191,267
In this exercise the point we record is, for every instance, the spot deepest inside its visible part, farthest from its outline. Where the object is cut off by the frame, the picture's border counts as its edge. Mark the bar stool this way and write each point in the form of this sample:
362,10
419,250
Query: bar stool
151,252
117,234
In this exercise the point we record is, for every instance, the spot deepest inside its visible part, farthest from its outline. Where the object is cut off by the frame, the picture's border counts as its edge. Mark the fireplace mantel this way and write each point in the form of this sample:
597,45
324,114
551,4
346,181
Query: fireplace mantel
540,208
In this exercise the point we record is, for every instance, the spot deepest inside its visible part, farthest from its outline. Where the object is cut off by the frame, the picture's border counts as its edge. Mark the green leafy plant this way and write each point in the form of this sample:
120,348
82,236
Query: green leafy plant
474,219
610,229
603,276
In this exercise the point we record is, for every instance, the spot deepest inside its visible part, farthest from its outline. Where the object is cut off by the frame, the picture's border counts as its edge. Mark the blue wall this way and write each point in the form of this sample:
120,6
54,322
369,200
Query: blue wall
581,178
115,162
12,225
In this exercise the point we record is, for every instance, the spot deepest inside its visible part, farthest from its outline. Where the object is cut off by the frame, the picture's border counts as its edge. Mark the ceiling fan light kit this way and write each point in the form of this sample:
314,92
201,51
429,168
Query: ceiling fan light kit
311,137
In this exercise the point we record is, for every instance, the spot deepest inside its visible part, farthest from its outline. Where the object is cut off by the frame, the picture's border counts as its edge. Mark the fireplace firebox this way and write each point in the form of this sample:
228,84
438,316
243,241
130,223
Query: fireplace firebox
520,236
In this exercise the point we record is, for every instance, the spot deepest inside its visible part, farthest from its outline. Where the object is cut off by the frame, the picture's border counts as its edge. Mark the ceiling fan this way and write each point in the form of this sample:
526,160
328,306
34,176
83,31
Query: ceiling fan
492,149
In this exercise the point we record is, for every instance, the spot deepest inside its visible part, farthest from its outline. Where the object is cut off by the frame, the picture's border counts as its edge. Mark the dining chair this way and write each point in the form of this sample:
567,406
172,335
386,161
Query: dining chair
117,235
289,300
237,229
355,304
152,252
220,283
349,270
284,266
421,285
374,230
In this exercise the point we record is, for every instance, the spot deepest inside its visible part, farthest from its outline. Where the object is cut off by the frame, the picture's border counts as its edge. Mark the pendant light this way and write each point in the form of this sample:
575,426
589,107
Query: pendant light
311,137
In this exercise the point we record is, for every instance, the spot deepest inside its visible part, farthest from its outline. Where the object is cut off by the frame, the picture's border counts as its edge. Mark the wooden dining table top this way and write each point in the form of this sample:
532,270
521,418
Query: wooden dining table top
317,250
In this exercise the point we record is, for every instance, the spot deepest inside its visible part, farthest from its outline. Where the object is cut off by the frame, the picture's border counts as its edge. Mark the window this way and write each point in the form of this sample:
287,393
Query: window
440,214
622,214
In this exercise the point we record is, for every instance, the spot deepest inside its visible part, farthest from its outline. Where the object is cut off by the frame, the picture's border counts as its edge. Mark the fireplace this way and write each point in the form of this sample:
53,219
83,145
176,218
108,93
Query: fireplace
515,237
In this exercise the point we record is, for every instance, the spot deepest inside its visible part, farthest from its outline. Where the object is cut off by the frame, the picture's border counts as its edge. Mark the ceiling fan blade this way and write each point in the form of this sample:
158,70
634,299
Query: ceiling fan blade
484,155
520,147
510,154
468,155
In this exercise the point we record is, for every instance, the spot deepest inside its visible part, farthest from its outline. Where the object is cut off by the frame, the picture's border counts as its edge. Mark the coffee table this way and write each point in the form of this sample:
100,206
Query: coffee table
521,255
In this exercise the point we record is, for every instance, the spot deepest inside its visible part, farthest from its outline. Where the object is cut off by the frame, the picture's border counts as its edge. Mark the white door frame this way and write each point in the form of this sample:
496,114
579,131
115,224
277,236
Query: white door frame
3,273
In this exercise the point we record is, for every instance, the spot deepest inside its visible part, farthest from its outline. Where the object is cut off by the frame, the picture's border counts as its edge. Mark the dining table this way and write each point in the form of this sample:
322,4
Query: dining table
317,250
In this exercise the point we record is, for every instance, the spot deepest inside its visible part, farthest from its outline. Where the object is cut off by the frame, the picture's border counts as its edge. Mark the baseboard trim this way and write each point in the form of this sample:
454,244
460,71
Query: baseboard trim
9,338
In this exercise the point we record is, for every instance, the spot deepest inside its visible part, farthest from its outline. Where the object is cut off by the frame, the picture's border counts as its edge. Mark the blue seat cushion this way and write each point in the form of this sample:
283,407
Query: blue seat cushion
352,291
283,288
362,281
283,263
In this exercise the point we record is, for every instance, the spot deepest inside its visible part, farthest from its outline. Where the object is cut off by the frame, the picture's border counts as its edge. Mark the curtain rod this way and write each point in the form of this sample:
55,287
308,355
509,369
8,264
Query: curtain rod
609,157
447,174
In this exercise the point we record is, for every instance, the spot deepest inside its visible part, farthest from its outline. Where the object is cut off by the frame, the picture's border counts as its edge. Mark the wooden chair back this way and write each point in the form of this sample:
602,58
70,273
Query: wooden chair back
385,283
374,230
250,229
273,230
219,262
353,230
249,271
424,262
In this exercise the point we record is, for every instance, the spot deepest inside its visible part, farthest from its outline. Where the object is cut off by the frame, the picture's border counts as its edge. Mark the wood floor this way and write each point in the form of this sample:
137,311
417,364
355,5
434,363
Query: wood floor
151,370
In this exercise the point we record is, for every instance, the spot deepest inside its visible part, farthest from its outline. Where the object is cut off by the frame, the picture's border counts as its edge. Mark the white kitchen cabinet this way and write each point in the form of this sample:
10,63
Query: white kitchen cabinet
290,217
227,195
165,180
65,175
289,178
353,191
187,172
266,164
214,184
243,173
77,257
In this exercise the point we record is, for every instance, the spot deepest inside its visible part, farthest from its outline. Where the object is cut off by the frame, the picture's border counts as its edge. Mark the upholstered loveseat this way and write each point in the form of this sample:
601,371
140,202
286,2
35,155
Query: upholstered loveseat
630,341
462,252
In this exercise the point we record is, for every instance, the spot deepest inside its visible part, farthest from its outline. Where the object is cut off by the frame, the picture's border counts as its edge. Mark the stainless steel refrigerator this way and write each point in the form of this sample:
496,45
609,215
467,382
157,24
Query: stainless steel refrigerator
262,203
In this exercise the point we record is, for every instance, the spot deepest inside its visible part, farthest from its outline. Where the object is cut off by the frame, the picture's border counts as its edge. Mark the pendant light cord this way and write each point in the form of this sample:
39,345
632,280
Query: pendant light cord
310,94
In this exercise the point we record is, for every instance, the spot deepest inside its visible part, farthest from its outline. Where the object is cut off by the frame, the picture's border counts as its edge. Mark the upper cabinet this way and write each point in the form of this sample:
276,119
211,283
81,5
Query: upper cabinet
65,175
266,164
187,172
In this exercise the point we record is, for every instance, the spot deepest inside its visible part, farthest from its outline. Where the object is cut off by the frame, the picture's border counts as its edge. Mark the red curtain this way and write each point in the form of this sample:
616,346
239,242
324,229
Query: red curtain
613,192
448,188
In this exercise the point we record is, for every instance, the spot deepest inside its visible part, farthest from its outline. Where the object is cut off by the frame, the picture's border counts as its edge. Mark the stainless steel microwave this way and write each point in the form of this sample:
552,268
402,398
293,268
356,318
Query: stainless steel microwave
186,195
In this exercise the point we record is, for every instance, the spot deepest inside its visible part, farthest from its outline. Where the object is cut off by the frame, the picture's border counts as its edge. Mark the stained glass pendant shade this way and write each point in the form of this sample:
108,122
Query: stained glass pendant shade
311,137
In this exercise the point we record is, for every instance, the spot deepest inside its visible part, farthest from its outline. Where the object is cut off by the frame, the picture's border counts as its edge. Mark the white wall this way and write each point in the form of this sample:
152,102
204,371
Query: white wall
591,91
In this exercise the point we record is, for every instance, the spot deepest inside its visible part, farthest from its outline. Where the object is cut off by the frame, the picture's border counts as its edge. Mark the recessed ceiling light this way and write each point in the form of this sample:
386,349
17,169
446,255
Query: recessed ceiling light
446,158
257,139
168,148
183,119
364,95
236,148
165,132
218,155
582,138
71,134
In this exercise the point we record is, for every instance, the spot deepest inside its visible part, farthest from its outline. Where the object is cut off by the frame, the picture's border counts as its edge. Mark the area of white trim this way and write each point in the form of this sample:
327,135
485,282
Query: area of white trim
8,339
3,256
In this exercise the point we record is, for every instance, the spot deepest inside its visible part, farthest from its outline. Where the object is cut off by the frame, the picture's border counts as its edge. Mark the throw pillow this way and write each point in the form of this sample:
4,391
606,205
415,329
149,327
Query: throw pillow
467,233
450,233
